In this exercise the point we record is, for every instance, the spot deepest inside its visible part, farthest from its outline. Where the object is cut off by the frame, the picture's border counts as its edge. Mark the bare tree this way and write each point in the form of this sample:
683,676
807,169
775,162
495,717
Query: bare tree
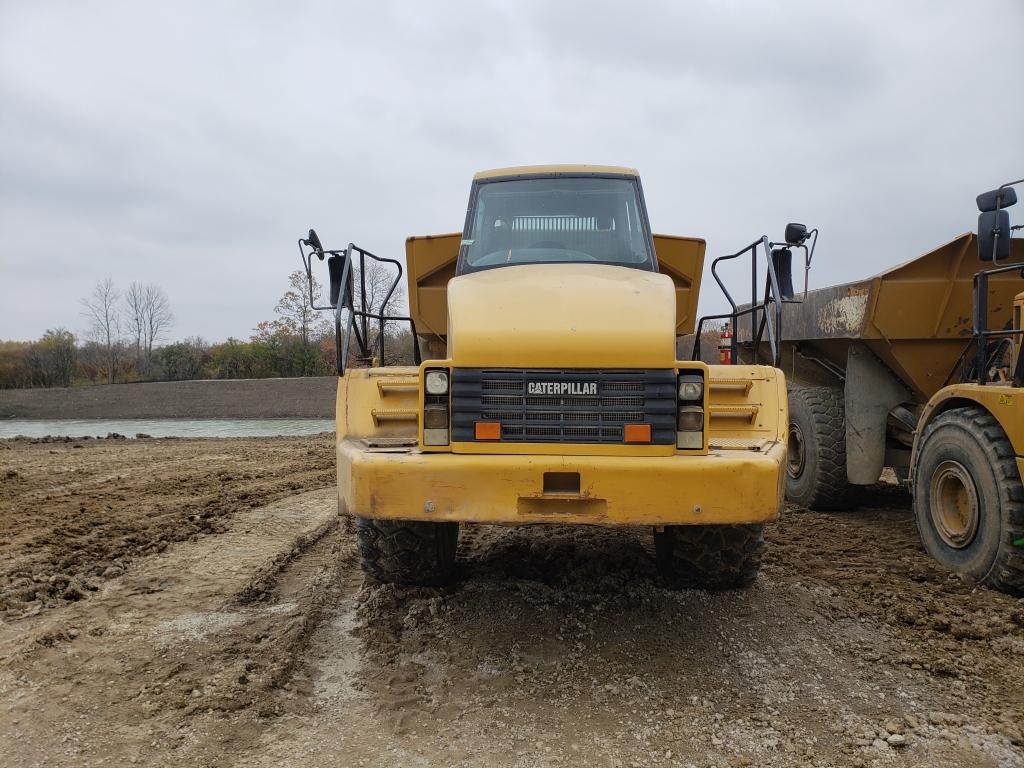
379,279
135,319
295,313
157,315
148,316
101,309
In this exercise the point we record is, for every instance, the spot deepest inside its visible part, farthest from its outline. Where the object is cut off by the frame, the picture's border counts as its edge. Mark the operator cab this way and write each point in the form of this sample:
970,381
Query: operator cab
556,215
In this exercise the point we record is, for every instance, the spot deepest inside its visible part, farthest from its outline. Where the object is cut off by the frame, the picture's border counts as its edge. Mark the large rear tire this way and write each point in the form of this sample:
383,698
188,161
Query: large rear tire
407,551
968,499
816,462
709,556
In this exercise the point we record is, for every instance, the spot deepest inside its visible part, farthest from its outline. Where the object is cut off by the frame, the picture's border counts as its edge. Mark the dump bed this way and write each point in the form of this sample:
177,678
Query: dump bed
916,318
431,262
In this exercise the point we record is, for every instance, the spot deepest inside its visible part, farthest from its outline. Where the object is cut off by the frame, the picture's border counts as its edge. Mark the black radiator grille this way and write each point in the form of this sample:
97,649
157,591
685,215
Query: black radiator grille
570,406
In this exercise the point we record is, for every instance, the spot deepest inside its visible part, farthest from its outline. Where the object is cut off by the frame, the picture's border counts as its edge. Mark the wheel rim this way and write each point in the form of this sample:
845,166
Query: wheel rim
954,504
796,452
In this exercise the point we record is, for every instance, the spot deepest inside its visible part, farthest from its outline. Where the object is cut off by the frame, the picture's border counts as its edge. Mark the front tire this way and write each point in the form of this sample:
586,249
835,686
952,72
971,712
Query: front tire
968,499
407,551
816,459
709,556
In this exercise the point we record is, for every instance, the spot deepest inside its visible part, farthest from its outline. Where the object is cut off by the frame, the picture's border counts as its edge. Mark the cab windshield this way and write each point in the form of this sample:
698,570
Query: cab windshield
584,219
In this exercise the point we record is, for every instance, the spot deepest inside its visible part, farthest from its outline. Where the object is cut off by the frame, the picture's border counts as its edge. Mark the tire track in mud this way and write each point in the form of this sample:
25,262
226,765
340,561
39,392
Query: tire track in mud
558,646
199,630
68,522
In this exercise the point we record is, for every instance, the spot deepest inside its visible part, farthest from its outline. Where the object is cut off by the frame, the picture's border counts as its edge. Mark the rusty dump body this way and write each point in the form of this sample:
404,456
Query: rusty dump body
915,318
889,343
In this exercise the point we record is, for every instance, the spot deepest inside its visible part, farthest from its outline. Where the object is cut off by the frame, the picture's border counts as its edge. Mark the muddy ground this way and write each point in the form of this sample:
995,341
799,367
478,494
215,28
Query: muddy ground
172,602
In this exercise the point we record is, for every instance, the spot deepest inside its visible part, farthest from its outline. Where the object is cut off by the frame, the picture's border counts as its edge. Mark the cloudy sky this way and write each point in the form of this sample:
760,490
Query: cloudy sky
190,144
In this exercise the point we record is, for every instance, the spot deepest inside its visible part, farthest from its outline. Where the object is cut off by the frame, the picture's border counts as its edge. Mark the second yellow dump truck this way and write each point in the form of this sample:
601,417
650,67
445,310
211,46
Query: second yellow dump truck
919,369
554,392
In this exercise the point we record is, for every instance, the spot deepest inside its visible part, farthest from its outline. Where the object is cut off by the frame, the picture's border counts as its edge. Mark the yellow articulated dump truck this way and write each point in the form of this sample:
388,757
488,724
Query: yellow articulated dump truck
967,453
918,369
552,392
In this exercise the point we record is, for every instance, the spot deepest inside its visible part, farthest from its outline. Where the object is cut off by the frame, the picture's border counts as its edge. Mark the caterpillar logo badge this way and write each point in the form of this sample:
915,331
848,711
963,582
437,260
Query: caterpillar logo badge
561,388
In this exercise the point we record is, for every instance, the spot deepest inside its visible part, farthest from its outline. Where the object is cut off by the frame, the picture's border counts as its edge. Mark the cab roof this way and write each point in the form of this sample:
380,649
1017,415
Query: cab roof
540,170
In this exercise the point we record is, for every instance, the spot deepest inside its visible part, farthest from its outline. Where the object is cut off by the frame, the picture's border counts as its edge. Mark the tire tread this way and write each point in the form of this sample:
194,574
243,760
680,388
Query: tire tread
1007,570
407,551
831,489
709,556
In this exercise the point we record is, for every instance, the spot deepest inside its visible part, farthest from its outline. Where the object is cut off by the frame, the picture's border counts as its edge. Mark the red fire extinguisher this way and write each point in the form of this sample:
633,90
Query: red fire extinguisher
725,346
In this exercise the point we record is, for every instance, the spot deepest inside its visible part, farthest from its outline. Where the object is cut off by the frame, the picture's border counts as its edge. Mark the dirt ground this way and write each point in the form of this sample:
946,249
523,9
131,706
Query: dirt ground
306,397
172,602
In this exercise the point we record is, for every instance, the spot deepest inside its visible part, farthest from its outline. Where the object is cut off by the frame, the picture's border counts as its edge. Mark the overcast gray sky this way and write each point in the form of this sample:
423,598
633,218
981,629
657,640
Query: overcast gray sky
190,144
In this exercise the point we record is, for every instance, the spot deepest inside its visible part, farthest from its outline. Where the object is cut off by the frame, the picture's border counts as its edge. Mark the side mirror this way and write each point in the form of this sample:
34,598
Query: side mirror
336,268
313,241
782,262
1003,197
993,233
795,233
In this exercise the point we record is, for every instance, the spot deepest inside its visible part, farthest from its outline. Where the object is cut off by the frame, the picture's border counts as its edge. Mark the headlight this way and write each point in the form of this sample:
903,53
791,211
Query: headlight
435,417
436,382
691,419
690,428
691,390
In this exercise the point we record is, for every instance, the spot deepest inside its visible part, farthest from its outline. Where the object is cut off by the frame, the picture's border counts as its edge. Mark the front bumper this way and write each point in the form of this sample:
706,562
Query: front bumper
722,487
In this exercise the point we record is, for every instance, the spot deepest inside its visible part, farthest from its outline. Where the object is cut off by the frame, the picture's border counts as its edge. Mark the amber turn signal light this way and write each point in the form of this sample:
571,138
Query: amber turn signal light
488,430
637,433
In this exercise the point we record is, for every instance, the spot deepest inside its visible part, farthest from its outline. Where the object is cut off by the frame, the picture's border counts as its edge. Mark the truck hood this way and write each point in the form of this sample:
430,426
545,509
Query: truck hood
562,316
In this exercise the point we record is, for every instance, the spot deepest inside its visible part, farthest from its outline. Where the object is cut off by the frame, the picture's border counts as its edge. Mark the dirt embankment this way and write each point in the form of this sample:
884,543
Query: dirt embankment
311,397
256,642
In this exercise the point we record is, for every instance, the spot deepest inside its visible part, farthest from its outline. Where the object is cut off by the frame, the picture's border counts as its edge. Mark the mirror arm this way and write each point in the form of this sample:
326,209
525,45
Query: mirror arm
338,357
1009,184
774,329
808,257
307,265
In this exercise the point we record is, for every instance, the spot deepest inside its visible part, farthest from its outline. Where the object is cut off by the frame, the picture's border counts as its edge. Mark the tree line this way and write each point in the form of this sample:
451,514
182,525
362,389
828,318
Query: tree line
126,338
